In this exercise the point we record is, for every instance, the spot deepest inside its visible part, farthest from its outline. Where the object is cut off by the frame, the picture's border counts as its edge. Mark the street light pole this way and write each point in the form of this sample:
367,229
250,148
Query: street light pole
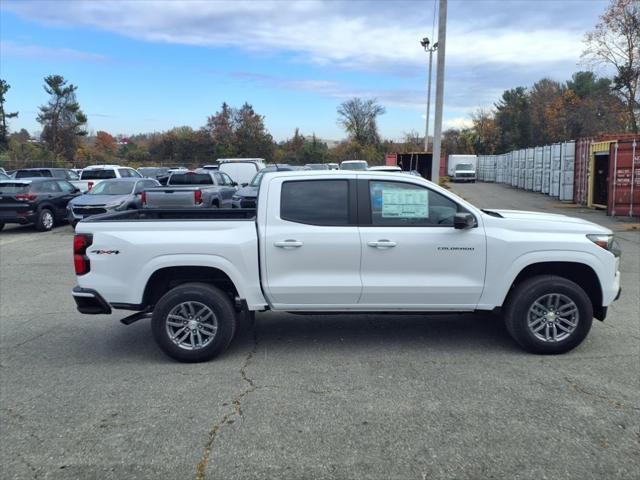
425,44
437,128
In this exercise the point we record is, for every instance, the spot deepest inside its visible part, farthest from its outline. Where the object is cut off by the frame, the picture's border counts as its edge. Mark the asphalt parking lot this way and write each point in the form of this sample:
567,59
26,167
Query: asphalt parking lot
335,397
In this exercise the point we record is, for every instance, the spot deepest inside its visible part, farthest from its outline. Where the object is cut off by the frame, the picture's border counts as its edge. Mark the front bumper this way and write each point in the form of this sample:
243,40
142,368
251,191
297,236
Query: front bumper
244,202
90,302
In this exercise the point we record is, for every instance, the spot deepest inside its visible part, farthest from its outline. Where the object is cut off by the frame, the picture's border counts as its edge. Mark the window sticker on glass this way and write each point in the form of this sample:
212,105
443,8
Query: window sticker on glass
405,203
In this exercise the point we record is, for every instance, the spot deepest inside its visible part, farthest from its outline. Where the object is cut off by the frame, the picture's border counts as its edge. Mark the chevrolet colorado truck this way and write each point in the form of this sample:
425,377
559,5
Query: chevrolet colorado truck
347,241
189,189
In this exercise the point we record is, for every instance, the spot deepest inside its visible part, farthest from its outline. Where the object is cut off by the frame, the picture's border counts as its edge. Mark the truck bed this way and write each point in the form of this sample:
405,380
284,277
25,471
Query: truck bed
176,214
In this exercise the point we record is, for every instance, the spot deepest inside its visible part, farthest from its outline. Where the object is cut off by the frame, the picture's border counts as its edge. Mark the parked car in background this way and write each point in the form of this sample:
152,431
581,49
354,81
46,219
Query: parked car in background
63,173
354,165
199,188
241,170
95,174
210,167
111,195
247,196
153,172
333,166
39,201
4,176
386,168
318,166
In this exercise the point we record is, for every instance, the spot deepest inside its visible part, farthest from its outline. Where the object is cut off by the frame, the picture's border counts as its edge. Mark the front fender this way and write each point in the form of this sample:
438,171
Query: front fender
498,284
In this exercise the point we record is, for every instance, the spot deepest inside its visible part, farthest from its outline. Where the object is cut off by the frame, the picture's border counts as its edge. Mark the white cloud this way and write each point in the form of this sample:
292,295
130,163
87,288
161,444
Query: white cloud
457,122
347,34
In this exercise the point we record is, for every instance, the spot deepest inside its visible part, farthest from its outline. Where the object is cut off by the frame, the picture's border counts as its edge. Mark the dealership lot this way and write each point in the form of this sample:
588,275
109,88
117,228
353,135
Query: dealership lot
360,396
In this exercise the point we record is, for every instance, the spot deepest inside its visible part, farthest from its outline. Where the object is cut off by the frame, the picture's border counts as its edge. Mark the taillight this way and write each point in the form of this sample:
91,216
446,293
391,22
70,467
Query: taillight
143,198
197,196
89,186
81,262
26,197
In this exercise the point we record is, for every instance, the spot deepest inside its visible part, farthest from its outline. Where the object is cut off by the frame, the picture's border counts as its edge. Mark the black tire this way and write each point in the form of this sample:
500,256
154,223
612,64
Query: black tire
522,299
207,295
215,204
42,224
1,226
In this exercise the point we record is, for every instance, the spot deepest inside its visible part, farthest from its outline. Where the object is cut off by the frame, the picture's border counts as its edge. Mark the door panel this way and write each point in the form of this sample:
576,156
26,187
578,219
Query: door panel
412,256
312,246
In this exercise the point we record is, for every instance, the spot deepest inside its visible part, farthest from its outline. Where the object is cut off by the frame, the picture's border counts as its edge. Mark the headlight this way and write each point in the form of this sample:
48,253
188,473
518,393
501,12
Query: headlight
606,241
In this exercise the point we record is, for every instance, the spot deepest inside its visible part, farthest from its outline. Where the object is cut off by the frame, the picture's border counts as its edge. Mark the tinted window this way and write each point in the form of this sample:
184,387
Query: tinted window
134,173
8,187
190,178
71,175
97,174
59,173
315,202
32,173
45,187
124,173
405,204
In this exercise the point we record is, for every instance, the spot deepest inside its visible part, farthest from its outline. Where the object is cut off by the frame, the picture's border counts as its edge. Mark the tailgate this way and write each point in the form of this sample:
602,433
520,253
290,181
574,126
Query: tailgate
170,197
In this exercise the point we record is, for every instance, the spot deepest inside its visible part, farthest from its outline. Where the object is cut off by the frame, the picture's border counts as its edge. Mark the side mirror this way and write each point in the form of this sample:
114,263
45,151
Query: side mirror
76,190
463,221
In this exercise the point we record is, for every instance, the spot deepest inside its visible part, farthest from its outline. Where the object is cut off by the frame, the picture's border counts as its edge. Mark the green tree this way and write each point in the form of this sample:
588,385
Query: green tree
514,120
220,128
4,128
251,138
61,118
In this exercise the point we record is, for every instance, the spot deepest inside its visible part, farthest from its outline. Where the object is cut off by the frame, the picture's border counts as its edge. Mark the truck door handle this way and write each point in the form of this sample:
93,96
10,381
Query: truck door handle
382,244
288,244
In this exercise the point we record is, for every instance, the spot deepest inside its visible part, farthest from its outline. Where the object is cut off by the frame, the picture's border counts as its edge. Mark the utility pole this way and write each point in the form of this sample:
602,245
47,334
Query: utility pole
437,136
425,44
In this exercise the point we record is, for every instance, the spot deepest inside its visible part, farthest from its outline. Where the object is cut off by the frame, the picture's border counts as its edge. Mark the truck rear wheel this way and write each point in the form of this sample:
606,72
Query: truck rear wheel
548,314
193,322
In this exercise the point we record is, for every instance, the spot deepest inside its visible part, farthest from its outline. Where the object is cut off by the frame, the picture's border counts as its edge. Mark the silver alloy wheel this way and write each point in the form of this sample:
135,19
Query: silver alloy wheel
553,317
191,325
47,220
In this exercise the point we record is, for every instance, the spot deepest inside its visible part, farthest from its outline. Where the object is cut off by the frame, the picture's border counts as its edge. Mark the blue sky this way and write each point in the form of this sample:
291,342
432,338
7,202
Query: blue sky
144,66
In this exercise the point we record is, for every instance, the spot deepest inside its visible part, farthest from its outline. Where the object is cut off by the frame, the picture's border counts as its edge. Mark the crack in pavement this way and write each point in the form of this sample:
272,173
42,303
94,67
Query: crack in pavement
616,403
227,419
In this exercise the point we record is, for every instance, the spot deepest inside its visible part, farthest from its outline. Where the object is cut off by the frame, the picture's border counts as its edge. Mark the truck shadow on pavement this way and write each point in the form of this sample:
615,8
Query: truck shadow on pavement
288,333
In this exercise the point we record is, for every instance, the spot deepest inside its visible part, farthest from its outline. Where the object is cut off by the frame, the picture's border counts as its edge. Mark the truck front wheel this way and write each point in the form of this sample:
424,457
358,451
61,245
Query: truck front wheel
193,322
548,314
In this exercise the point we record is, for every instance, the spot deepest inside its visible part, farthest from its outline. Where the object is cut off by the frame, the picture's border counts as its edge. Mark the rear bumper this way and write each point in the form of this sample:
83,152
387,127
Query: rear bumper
90,302
22,217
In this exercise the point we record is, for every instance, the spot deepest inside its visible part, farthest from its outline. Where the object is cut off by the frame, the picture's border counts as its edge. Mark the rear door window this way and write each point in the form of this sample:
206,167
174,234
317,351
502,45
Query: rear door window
315,202
66,187
46,187
32,173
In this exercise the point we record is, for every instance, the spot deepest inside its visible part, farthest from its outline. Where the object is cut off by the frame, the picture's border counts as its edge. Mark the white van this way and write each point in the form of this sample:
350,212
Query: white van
241,170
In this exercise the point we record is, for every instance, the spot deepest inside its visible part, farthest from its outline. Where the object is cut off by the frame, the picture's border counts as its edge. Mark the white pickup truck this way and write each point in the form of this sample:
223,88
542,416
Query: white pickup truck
345,242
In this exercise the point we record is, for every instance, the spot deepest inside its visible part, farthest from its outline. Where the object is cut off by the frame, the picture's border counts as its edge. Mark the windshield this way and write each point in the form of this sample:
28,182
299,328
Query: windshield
112,188
97,174
354,166
464,166
255,181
